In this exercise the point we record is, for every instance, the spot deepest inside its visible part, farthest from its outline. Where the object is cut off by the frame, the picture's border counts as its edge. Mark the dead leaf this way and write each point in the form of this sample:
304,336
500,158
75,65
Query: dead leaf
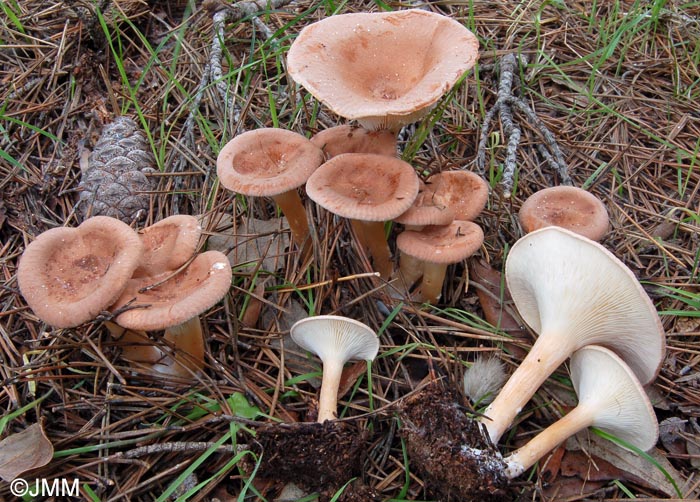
23,451
251,242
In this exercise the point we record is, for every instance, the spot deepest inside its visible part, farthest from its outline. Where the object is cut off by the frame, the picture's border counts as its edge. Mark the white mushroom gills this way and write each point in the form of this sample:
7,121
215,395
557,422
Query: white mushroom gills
335,340
573,292
610,398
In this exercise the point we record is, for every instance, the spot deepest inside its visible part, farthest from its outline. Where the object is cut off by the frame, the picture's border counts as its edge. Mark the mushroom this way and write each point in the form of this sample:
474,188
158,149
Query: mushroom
610,398
335,340
168,244
69,275
464,192
427,209
436,247
377,68
271,162
368,189
565,206
173,301
573,292
354,139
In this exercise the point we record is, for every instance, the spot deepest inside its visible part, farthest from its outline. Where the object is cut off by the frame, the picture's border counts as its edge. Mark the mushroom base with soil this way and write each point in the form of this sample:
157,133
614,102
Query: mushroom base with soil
449,450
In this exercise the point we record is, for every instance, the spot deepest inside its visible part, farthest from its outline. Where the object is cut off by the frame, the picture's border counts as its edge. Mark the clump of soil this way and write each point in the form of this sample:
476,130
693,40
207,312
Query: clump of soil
449,450
318,457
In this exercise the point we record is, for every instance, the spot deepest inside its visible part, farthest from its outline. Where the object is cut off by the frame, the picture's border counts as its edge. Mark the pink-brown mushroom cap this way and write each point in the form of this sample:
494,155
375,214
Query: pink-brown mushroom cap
465,192
442,244
168,244
568,207
69,275
379,68
354,139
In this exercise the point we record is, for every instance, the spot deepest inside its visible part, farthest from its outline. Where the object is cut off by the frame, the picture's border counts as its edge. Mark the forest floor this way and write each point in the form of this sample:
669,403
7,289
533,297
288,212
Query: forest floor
616,82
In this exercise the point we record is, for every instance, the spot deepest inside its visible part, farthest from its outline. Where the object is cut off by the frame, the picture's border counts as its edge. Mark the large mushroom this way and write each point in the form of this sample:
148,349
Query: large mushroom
377,68
271,162
433,248
172,301
335,340
610,398
368,189
568,207
573,292
69,275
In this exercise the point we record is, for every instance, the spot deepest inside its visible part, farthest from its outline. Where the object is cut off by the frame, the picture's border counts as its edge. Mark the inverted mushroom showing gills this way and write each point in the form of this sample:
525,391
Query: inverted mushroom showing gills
610,398
573,292
377,68
271,162
568,207
172,301
335,340
69,275
368,189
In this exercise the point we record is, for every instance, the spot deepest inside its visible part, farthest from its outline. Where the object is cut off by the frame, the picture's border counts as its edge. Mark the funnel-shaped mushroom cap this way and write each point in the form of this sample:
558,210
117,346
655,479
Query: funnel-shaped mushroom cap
354,139
572,288
384,69
427,209
69,275
442,244
464,192
336,338
267,162
615,398
364,186
169,301
565,206
168,244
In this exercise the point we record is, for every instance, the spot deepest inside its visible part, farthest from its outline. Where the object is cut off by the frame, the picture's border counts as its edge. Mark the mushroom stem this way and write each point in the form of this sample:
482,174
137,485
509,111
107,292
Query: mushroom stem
328,396
187,340
372,238
292,208
544,357
135,345
410,269
525,457
433,277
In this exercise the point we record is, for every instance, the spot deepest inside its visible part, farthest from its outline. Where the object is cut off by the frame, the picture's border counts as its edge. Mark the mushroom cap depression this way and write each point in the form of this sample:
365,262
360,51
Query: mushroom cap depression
175,298
605,383
442,244
465,192
69,275
364,186
567,285
565,206
168,244
377,68
333,337
267,162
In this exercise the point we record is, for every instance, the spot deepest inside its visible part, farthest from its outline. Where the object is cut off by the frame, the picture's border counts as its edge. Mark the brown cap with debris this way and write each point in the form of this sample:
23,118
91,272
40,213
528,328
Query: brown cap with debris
379,68
169,300
427,209
168,244
442,244
355,139
69,275
466,193
568,207
364,186
267,162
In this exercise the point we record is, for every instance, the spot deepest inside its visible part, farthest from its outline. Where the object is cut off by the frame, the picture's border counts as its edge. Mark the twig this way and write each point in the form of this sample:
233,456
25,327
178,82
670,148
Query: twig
504,106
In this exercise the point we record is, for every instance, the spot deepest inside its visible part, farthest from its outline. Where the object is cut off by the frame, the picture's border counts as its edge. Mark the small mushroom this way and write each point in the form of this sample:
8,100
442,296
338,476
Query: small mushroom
354,139
573,292
427,209
368,189
610,398
271,162
565,206
377,68
168,244
172,301
69,275
335,340
436,247
464,192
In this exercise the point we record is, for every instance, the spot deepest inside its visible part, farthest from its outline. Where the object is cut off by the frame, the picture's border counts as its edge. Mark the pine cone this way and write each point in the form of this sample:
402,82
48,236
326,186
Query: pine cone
115,182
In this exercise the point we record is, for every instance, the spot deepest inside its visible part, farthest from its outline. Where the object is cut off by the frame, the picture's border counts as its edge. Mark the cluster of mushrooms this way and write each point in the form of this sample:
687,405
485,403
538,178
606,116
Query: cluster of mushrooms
583,303
142,281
